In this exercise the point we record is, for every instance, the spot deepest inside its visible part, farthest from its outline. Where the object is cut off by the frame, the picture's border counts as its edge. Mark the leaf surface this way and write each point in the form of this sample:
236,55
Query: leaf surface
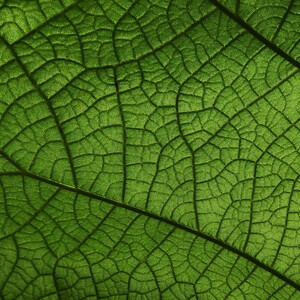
149,149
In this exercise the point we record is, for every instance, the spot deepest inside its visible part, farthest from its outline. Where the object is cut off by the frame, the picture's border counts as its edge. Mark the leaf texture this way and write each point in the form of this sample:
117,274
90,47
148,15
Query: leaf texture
149,149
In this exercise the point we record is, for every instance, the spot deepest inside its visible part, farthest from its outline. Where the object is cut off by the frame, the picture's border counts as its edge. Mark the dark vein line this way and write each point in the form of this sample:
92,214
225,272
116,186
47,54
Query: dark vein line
192,158
156,172
77,76
155,280
36,29
209,264
237,7
159,218
101,222
55,281
120,107
240,283
78,39
283,19
91,273
144,260
276,291
124,135
256,34
5,204
51,109
251,206
286,220
13,267
38,4
120,239
33,216
116,27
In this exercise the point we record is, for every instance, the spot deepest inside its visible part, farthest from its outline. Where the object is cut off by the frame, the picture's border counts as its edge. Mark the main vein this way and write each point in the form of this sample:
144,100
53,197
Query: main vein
159,218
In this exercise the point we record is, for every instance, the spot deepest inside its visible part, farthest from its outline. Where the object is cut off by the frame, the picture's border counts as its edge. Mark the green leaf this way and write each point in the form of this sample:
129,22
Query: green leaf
149,149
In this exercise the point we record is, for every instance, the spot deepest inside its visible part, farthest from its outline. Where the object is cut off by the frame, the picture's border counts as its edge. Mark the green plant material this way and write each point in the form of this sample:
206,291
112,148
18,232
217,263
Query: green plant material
149,149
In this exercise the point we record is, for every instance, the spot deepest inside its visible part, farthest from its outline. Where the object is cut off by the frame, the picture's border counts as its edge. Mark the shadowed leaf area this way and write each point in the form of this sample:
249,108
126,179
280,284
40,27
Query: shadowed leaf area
149,149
